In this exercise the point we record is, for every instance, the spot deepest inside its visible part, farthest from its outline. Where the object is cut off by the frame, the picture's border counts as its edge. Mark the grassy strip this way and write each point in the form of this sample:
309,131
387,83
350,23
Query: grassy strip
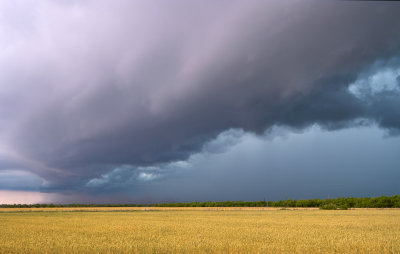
327,204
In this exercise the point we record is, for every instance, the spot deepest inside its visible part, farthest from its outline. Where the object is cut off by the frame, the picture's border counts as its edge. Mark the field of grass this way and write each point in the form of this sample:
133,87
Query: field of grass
200,231
131,209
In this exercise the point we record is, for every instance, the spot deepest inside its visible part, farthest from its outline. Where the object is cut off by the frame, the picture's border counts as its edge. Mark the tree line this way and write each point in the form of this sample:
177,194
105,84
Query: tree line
335,203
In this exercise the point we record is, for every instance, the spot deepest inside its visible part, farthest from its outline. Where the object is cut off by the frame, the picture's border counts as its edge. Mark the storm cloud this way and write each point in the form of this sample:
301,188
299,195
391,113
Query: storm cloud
93,87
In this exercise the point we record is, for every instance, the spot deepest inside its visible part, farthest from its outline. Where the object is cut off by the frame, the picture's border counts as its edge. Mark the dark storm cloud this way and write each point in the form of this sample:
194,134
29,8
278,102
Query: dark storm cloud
334,106
89,85
310,164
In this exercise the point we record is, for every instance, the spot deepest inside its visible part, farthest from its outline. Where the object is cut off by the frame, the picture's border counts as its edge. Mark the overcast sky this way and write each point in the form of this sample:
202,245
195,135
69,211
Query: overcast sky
158,101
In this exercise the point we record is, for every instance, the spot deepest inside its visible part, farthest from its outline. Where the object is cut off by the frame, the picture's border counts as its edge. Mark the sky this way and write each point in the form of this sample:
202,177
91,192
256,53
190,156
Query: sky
164,101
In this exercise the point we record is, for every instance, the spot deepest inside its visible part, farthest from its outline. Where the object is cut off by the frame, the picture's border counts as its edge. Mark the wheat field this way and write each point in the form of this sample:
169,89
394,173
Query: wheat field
200,231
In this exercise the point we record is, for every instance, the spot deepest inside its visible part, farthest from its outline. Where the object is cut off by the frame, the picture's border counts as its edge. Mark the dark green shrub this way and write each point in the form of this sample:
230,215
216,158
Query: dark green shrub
332,206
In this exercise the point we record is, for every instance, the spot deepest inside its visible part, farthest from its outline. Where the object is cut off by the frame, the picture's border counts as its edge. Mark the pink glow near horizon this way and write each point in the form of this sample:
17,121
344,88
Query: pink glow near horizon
24,197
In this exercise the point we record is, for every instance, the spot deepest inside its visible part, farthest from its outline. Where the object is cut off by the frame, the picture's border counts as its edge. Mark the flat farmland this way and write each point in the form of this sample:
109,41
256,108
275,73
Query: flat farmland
198,230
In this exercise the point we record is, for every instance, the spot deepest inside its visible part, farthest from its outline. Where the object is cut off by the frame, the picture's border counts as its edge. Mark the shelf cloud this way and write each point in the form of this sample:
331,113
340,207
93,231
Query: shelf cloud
88,87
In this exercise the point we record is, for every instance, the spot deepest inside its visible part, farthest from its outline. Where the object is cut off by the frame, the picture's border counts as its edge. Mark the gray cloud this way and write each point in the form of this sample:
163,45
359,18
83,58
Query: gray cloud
16,179
88,86
314,163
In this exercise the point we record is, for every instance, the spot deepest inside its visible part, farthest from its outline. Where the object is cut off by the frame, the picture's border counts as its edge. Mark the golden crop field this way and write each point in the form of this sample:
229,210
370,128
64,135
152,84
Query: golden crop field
200,231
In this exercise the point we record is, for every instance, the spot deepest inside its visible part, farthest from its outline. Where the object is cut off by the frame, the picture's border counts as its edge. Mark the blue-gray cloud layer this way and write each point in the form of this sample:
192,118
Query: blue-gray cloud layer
87,86
280,165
